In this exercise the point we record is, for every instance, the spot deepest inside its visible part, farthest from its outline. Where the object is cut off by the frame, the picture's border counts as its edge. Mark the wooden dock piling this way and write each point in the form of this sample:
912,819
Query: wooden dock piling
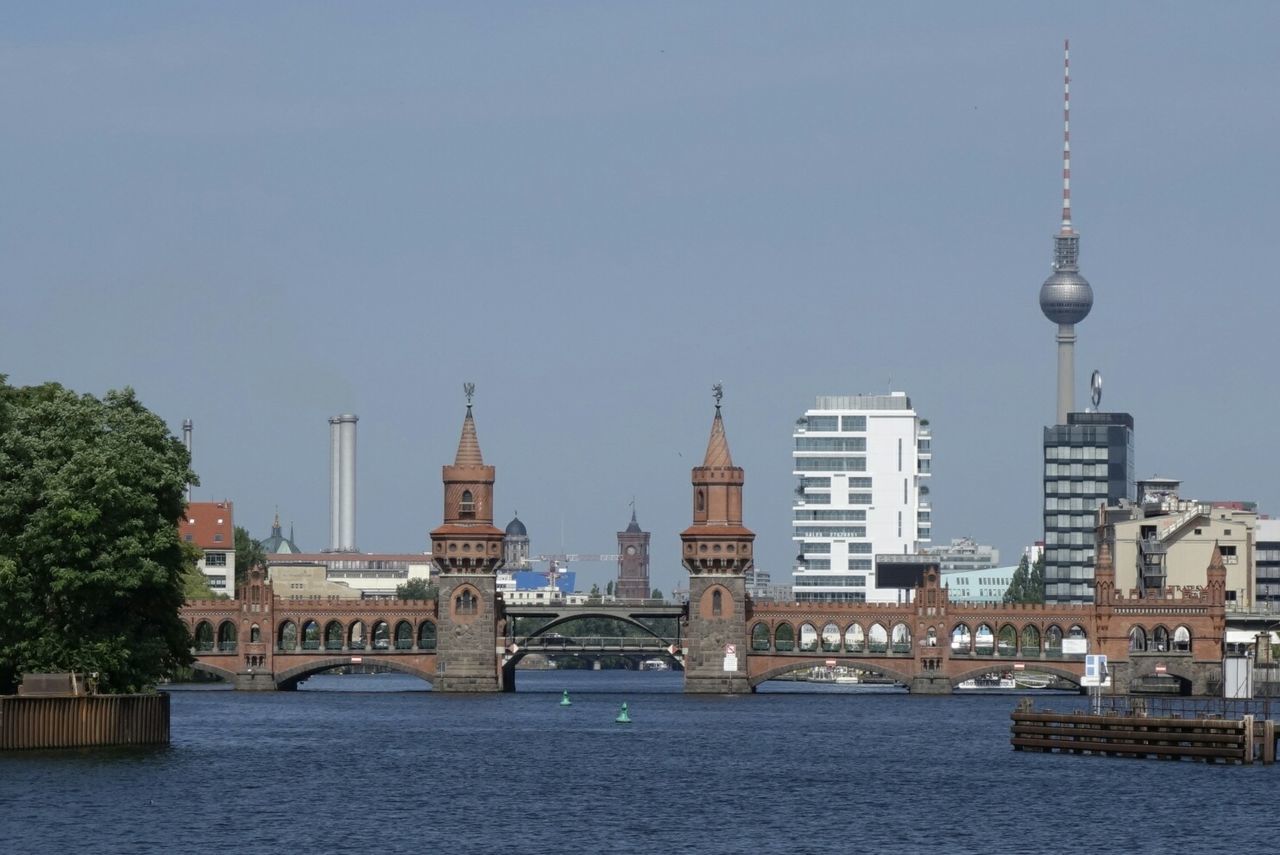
81,721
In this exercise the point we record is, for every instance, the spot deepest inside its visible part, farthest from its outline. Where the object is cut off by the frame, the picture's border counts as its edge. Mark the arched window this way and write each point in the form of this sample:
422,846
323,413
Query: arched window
784,638
465,603
1137,640
204,636
311,635
901,638
831,638
877,639
1182,640
288,636
427,635
333,635
1160,640
381,635
1053,641
760,637
931,638
1007,641
984,640
717,603
808,637
404,635
227,637
355,636
255,634
467,507
855,640
1076,631
961,640
701,501
1030,641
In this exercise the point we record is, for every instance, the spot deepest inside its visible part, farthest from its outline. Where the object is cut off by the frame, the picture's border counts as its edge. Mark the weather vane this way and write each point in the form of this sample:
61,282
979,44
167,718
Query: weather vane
469,389
717,392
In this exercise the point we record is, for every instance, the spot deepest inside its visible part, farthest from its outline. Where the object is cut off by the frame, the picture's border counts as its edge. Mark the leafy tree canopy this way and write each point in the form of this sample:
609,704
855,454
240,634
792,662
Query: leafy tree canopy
249,553
92,572
416,589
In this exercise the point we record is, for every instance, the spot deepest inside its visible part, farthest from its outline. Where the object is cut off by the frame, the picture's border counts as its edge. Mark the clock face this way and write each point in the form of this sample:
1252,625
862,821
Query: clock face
631,550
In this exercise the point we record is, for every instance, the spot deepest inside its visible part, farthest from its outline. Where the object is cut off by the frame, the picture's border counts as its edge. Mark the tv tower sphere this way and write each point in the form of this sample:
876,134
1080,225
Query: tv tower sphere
1066,297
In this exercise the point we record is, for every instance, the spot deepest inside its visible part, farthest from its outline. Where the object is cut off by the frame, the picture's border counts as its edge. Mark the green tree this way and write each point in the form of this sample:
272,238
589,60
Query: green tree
1035,587
416,589
195,586
248,554
655,595
609,589
91,566
1020,584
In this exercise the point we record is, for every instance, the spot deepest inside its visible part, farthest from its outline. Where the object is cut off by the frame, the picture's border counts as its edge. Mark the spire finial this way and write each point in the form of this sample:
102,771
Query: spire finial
276,524
469,389
1066,136
717,392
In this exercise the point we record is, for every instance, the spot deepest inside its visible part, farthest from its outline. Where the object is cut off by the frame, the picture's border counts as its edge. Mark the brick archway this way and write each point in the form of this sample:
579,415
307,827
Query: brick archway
291,677
794,663
214,670
1033,667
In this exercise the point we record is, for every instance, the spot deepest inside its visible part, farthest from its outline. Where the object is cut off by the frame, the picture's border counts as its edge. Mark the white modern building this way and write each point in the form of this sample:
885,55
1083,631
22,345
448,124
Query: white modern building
862,462
964,553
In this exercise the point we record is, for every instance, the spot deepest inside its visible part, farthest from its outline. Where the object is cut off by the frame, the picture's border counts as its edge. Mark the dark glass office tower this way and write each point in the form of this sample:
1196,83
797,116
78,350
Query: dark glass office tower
1088,463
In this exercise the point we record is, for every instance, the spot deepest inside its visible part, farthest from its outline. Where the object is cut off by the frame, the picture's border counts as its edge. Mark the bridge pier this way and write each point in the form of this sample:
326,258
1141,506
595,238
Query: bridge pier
255,681
929,684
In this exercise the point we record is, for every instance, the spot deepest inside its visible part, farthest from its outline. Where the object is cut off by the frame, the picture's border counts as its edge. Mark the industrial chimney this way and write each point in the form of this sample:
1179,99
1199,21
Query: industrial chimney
186,441
342,483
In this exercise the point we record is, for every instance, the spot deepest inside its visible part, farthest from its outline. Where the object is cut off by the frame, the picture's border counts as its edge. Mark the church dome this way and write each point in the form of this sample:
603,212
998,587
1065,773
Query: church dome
515,528
277,543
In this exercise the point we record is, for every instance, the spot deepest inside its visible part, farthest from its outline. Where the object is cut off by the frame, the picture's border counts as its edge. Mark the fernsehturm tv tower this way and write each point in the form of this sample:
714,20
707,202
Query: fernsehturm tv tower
1065,297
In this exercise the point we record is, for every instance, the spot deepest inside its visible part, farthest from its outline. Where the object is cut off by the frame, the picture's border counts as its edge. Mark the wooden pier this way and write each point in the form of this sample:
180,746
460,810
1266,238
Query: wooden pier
53,711
1137,732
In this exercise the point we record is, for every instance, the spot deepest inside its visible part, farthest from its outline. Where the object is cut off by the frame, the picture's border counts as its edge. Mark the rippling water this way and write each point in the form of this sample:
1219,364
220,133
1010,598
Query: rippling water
361,764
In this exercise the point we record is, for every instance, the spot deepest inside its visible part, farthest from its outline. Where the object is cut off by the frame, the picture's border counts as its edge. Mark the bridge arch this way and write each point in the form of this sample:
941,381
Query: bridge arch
800,662
222,673
561,620
289,678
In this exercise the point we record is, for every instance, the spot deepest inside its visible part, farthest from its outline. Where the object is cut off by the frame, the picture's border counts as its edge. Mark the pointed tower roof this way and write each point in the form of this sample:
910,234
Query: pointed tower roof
718,445
1215,560
633,527
469,443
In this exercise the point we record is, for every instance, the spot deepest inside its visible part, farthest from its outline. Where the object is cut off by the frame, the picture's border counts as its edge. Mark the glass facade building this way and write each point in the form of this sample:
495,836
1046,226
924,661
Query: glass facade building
1088,463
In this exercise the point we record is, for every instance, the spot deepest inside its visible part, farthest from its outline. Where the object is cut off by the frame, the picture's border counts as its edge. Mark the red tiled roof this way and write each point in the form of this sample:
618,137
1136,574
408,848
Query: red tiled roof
205,522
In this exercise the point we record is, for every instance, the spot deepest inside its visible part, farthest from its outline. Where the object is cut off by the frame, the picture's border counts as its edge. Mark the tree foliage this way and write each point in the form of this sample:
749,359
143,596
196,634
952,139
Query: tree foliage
92,570
249,553
416,589
1027,585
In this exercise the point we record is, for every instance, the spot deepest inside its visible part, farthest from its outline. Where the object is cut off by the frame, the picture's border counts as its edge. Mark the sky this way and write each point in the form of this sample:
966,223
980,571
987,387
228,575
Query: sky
260,216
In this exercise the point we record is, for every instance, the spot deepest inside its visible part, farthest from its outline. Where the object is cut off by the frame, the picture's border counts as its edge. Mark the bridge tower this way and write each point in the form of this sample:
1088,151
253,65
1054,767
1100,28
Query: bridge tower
467,550
717,552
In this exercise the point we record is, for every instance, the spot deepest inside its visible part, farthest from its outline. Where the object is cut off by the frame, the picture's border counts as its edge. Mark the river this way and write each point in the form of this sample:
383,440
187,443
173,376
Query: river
366,764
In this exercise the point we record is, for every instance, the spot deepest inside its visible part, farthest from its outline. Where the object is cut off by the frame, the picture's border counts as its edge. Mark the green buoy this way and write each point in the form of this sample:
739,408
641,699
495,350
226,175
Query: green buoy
623,716
564,700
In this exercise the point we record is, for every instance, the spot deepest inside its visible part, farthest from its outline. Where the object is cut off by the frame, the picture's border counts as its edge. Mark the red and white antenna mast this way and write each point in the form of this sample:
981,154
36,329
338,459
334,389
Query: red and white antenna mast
1066,136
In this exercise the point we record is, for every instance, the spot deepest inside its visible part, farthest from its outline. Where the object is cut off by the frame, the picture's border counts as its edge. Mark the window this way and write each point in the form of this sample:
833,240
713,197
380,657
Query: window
817,564
701,501
834,443
717,603
816,498
830,464
217,538
853,424
859,483
467,507
859,549
1228,554
830,516
215,559
466,603
815,548
829,423
188,538
899,454
815,483
859,498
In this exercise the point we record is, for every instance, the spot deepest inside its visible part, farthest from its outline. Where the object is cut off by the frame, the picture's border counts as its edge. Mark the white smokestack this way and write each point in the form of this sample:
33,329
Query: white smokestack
347,483
335,481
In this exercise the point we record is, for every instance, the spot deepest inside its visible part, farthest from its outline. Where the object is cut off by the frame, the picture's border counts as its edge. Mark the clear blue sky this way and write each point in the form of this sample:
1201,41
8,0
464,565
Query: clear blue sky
263,215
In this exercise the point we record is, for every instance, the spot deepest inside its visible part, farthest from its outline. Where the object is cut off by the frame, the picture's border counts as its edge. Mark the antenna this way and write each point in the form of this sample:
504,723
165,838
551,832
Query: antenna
1066,136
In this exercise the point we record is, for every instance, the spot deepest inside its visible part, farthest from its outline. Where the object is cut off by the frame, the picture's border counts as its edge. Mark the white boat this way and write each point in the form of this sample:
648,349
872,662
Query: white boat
989,681
847,679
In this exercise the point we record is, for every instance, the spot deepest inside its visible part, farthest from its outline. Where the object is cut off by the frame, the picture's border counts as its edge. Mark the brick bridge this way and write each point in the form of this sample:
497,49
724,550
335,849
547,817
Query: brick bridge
726,643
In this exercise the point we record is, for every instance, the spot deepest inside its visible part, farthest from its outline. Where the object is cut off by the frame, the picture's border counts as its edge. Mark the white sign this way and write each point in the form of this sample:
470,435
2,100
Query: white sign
730,662
356,659
1095,671
1075,646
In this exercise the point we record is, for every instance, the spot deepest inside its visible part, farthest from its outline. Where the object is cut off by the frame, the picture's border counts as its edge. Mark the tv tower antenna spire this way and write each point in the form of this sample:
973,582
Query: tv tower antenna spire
1066,136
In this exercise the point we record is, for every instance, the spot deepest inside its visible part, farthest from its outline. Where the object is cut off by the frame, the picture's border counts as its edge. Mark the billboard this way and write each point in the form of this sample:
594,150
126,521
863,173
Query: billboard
902,571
